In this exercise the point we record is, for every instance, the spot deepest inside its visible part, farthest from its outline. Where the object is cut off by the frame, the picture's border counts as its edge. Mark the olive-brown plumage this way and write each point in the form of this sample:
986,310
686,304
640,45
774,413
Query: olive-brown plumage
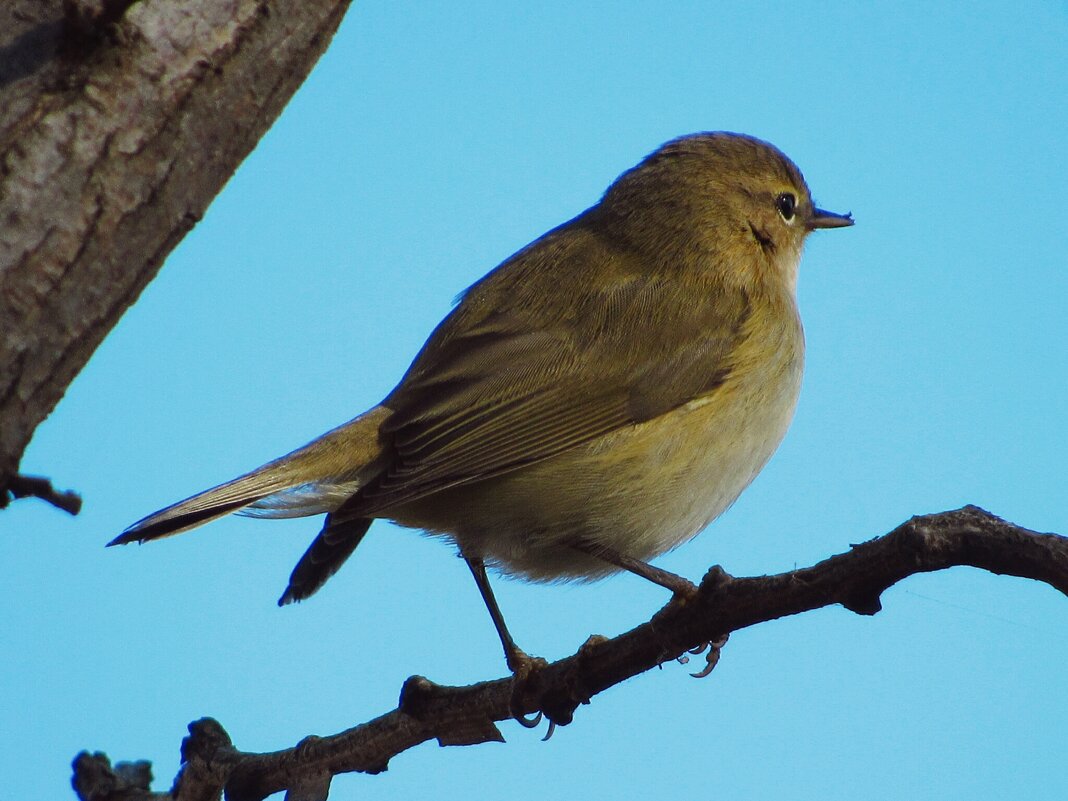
594,401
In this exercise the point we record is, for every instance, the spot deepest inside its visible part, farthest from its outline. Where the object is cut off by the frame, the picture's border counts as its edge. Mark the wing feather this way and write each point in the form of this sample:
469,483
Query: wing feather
495,390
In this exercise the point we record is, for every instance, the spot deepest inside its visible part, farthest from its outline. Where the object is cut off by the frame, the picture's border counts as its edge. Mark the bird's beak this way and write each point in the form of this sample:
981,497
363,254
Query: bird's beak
828,219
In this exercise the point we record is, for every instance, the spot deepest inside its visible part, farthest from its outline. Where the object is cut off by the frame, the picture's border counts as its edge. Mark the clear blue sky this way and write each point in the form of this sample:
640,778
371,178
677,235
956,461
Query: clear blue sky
432,141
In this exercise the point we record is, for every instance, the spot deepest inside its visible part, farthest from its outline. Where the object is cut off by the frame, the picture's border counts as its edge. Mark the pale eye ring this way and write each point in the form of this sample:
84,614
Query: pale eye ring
786,203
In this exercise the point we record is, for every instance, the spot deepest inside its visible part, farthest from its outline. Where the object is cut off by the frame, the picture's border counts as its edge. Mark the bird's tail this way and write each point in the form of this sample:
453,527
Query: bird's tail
311,480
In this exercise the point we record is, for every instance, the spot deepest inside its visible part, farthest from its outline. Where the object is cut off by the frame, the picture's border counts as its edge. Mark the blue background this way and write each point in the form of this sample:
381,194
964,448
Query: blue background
433,140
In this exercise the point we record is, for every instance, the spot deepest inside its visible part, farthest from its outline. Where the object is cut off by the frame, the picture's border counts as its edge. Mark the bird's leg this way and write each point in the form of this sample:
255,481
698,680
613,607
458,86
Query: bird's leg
680,587
518,661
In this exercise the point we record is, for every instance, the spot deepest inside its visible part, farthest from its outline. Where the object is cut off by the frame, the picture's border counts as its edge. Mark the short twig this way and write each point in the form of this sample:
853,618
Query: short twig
19,486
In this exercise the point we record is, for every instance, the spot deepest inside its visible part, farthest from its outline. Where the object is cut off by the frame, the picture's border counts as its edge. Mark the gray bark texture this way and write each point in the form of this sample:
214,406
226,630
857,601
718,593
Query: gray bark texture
119,122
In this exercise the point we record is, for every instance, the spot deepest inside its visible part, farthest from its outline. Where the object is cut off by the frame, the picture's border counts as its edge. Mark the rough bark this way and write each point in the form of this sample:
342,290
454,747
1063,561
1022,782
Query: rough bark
468,715
119,122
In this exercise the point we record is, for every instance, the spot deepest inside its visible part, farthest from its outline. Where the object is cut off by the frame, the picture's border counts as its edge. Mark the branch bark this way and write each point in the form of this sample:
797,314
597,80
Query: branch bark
468,715
119,122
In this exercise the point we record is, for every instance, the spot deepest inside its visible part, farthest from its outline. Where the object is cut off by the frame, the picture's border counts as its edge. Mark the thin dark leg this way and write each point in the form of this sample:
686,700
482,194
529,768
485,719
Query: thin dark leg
682,588
517,660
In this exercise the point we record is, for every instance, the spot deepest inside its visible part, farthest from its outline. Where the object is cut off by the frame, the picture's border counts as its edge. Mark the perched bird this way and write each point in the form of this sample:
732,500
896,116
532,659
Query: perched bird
594,401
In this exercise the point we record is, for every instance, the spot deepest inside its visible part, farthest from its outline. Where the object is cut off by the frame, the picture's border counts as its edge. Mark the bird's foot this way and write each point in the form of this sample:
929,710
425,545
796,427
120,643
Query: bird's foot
522,664
712,653
525,670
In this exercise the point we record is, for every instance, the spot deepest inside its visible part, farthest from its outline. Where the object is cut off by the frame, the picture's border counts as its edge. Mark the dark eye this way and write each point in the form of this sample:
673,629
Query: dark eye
786,204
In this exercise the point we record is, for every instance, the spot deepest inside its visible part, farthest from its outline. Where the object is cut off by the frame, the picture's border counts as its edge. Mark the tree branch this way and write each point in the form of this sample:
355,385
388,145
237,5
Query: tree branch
468,715
119,122
19,486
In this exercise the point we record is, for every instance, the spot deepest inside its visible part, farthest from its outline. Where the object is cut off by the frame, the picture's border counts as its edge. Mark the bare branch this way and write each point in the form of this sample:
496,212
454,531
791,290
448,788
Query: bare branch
468,715
19,486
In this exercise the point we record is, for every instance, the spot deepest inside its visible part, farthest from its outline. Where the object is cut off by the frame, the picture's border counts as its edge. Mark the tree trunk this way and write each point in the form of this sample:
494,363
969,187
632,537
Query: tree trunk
119,122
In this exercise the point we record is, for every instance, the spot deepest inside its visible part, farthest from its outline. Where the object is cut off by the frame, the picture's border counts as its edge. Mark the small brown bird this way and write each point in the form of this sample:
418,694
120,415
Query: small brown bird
594,401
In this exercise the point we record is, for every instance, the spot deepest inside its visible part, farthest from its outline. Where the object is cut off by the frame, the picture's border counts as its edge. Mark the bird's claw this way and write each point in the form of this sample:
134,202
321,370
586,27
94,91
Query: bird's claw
683,659
712,657
527,722
533,721
524,668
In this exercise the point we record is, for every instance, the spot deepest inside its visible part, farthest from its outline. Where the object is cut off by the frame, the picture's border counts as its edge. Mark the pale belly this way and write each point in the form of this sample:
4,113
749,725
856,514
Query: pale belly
640,491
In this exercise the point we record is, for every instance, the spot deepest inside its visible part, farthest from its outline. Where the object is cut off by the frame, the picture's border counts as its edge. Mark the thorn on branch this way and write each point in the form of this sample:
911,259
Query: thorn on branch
19,486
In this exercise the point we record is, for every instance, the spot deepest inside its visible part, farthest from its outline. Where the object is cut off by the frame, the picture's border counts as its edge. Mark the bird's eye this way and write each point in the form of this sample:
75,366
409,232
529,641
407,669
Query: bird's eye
786,203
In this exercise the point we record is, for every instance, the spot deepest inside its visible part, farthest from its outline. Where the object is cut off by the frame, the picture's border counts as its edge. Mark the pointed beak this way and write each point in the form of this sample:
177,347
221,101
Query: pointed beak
828,219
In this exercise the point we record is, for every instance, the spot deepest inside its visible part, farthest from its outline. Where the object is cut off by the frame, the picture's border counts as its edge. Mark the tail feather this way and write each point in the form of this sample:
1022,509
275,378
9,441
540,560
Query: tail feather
305,482
328,551
203,507
151,528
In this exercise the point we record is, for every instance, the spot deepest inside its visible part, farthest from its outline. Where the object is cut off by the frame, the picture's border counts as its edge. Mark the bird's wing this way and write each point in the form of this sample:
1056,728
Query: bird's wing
494,391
